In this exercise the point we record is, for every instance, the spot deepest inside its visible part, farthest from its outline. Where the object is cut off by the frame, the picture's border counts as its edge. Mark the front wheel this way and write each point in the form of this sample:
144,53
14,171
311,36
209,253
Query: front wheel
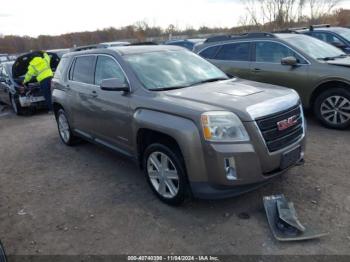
332,108
165,173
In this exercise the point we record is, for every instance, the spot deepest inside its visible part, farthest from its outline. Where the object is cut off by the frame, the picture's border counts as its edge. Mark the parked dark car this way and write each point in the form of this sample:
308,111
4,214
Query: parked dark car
23,99
337,36
186,43
318,71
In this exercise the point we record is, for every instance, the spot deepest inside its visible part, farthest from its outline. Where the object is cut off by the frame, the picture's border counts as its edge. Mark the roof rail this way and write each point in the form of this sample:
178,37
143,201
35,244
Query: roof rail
258,35
220,38
143,43
312,27
86,47
293,29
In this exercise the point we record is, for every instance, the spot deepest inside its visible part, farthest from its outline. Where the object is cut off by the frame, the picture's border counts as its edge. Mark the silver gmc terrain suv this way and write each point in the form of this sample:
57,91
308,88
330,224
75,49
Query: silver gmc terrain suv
191,129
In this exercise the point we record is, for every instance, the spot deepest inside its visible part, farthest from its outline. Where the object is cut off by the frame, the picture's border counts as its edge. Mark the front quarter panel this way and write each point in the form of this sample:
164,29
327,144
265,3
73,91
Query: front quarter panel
183,130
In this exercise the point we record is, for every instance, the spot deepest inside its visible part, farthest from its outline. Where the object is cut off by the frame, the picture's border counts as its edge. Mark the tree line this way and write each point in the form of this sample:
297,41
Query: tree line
272,15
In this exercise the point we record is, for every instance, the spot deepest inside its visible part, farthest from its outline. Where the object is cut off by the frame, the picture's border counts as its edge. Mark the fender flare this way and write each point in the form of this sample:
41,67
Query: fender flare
182,130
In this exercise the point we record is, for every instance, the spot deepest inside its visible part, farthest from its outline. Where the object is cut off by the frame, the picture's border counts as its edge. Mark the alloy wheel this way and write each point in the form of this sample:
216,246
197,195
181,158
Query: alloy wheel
163,174
336,110
63,128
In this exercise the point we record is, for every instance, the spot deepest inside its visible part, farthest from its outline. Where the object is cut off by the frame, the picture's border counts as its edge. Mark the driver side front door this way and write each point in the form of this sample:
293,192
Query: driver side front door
266,66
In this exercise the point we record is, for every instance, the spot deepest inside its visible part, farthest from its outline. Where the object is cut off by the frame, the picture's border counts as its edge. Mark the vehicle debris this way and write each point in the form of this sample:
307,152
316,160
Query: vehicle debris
284,222
21,212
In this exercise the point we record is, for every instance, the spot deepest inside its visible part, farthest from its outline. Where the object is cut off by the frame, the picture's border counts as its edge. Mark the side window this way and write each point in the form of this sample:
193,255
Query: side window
107,68
61,67
271,52
327,37
84,69
234,52
209,52
3,72
321,36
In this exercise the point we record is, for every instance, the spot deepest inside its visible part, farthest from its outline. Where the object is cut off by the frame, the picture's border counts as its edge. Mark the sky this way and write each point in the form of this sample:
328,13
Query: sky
23,17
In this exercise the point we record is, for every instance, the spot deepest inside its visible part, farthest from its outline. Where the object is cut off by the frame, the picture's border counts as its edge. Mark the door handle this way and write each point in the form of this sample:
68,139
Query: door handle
257,70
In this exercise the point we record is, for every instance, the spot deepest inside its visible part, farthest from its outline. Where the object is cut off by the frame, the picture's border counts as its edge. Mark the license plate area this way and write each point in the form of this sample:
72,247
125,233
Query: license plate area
290,158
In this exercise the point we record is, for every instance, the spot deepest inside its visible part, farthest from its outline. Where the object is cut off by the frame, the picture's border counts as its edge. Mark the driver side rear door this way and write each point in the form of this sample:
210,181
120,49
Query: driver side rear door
266,66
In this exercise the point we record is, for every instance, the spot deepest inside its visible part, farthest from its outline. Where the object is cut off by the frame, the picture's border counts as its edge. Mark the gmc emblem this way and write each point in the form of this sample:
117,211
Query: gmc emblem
287,123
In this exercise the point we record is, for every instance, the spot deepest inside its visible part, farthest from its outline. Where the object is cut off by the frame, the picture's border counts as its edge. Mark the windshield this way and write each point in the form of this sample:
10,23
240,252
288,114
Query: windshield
313,47
344,32
172,69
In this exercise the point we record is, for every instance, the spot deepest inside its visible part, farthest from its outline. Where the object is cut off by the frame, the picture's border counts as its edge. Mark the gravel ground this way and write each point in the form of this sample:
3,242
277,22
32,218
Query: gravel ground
87,200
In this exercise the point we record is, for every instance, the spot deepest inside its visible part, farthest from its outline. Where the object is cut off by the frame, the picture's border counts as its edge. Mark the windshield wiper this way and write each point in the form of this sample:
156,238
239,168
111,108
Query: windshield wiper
167,88
210,80
332,57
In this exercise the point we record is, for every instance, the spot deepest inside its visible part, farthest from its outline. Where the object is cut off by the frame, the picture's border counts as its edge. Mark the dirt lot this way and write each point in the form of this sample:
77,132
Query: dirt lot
87,200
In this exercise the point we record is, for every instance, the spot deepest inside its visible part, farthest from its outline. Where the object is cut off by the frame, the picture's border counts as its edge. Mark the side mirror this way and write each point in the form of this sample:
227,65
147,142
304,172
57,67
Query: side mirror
289,61
339,44
114,84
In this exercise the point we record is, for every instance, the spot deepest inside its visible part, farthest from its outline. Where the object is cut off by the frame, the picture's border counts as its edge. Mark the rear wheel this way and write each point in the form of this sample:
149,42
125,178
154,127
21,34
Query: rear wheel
332,108
165,173
64,129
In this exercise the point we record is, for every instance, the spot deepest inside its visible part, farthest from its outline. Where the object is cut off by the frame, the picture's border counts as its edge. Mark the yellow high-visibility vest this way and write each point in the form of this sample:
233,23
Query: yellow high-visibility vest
40,68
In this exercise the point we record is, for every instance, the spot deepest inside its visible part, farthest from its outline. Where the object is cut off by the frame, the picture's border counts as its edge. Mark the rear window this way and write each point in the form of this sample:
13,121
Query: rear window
209,52
234,52
84,69
61,67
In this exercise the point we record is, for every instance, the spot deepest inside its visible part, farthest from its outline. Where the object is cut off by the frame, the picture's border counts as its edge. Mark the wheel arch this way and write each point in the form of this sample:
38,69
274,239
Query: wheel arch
335,83
178,131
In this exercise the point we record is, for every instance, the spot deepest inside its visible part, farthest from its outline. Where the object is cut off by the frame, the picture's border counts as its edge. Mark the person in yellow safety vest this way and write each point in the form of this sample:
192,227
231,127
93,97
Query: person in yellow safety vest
39,67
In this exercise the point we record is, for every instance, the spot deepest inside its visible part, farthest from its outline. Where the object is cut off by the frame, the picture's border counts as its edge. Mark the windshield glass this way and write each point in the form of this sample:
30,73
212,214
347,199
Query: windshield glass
344,33
172,69
313,47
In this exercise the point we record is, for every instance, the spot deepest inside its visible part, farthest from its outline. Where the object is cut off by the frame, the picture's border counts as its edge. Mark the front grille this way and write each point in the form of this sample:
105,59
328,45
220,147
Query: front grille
276,139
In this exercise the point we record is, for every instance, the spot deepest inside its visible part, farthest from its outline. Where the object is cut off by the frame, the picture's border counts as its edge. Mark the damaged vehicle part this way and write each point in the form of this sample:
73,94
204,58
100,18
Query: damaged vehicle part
284,222
22,99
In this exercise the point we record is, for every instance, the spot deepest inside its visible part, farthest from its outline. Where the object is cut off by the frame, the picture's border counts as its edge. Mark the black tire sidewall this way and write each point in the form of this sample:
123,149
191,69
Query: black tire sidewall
322,97
71,137
180,167
15,103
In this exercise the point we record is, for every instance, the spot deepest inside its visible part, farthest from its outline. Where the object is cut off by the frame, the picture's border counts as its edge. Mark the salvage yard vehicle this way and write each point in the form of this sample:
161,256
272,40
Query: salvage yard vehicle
337,36
318,71
23,99
193,130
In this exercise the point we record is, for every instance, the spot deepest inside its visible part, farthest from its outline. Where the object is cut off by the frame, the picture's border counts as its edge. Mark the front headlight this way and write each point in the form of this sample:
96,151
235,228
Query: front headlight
222,126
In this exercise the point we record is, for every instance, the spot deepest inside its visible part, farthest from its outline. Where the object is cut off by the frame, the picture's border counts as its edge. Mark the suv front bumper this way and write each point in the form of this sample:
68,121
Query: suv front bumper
252,162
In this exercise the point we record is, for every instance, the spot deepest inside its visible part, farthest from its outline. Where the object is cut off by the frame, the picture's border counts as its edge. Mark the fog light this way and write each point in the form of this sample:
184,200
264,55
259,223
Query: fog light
230,168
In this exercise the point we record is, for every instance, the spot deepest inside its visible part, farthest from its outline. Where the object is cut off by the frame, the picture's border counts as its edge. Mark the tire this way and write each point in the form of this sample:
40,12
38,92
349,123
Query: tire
172,189
16,106
64,129
332,108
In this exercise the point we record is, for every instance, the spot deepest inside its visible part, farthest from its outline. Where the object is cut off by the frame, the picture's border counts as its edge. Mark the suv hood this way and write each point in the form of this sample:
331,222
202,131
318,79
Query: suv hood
340,62
249,100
